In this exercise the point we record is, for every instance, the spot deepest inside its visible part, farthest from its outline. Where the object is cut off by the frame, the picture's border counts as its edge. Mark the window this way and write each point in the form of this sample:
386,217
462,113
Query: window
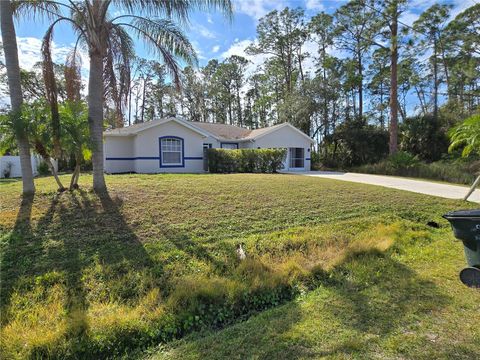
171,149
229,146
297,157
207,145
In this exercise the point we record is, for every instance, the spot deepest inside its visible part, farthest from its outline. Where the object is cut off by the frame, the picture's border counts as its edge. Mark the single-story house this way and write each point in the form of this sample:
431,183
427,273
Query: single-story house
176,145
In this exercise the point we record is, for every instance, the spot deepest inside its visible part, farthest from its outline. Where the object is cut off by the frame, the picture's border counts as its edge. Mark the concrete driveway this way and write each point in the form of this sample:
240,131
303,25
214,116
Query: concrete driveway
419,186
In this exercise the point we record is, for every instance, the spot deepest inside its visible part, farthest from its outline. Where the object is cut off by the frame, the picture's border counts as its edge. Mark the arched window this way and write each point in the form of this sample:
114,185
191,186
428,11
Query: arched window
171,151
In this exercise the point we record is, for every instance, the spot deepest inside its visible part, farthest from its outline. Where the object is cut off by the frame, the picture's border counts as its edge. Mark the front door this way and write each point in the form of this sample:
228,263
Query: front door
296,158
206,146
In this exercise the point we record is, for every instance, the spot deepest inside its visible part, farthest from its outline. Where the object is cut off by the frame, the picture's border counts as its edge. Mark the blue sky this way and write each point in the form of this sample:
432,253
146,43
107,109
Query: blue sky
211,34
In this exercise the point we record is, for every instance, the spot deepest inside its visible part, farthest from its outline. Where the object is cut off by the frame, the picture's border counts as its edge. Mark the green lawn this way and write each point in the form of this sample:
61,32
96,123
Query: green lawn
333,269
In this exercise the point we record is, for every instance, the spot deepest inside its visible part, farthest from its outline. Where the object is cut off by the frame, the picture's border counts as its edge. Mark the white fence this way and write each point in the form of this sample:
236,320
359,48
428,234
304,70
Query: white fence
11,165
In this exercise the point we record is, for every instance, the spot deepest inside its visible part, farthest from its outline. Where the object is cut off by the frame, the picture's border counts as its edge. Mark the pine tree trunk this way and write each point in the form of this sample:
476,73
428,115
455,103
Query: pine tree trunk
143,99
360,86
130,106
435,79
95,119
394,84
9,41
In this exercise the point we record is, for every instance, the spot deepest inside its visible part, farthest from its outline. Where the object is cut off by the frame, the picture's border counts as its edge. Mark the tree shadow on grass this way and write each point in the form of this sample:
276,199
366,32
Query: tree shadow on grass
13,265
80,233
366,300
195,249
381,293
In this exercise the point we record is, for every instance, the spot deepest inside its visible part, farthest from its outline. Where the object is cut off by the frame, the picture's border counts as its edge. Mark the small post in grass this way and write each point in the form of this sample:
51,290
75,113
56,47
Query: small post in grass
472,189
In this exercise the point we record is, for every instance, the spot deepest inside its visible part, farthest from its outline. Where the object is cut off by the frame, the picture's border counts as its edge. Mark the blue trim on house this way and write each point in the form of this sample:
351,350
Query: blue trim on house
307,159
230,143
151,158
133,158
120,158
160,151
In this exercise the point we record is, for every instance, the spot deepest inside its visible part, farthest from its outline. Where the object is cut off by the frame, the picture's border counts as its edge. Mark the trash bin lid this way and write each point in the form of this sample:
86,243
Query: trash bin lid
463,214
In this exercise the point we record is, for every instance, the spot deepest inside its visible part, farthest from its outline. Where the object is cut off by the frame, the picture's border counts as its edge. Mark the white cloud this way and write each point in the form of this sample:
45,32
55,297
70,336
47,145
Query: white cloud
30,53
258,8
416,7
204,31
198,50
238,48
209,19
310,47
314,5
215,49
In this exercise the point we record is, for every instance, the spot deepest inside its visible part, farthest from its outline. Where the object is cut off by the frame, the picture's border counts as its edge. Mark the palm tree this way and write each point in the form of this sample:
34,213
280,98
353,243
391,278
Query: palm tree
109,43
13,73
8,9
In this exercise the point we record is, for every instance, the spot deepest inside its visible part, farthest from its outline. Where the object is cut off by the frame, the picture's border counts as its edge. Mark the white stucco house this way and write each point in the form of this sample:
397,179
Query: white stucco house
175,145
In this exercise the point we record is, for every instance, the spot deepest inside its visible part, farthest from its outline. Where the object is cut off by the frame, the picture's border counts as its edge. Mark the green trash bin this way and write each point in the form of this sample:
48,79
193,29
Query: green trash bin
466,227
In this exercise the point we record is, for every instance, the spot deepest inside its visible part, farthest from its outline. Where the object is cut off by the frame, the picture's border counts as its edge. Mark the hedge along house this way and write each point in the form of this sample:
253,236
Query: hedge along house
175,145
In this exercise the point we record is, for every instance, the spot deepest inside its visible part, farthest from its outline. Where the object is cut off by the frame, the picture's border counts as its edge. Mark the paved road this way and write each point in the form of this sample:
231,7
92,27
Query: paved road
418,186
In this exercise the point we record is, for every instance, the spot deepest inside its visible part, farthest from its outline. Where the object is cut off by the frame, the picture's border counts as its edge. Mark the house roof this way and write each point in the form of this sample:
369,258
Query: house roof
258,133
223,131
218,131
136,128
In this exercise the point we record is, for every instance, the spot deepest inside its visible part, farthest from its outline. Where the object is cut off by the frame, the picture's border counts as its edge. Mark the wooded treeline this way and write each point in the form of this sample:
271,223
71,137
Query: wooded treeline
433,66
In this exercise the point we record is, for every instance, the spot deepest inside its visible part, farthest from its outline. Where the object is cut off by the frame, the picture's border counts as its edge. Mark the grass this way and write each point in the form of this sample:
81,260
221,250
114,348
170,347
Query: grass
398,305
358,271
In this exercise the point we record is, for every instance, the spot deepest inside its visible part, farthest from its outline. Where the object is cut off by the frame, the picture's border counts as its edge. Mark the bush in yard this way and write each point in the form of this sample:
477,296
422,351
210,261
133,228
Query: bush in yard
425,137
355,143
456,171
402,160
43,168
246,160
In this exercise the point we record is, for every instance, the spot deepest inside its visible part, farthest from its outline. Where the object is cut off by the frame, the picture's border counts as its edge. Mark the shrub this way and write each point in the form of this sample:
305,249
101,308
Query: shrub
7,171
246,160
458,171
402,159
355,143
425,137
43,168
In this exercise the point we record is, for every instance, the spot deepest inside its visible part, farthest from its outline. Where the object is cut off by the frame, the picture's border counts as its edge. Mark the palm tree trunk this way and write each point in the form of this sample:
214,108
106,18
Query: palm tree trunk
76,173
52,169
9,40
95,119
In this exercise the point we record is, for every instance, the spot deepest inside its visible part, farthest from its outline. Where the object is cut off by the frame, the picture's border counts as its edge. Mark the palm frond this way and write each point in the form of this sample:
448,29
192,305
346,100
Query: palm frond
73,77
119,55
50,83
178,9
166,40
466,136
32,9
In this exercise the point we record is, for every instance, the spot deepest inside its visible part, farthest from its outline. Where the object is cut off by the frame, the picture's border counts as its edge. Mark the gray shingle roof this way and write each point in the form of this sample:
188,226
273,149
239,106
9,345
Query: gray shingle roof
132,129
219,131
223,131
